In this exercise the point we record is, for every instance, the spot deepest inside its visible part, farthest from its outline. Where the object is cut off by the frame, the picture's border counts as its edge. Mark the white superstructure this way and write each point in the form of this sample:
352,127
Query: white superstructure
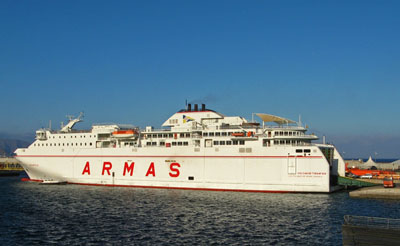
196,149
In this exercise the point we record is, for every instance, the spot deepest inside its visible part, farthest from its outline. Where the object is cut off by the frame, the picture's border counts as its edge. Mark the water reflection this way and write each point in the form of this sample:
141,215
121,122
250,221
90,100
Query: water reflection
72,214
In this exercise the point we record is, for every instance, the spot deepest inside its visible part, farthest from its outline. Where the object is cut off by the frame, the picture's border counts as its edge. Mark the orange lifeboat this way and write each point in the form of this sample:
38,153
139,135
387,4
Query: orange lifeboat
238,134
124,133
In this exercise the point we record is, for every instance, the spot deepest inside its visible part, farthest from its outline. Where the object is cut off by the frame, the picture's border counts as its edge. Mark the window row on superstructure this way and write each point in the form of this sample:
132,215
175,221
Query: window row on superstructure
288,133
161,143
234,142
291,142
215,134
72,136
62,144
166,135
277,133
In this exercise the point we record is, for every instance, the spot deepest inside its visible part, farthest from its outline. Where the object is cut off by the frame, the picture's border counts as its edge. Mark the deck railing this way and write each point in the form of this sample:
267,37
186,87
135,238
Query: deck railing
372,222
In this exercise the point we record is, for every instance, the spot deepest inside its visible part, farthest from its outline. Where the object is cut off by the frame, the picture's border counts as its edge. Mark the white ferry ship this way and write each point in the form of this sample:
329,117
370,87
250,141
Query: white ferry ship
197,149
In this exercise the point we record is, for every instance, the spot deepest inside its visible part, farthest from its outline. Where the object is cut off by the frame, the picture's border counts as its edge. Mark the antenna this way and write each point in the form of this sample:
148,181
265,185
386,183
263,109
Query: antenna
299,123
81,115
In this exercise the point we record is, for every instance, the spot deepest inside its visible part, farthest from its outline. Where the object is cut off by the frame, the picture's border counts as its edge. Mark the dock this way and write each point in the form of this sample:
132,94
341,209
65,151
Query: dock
362,230
376,192
351,182
10,167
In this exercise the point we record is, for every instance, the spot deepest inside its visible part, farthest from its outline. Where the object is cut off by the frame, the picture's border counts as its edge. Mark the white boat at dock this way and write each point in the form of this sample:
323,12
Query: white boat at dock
197,148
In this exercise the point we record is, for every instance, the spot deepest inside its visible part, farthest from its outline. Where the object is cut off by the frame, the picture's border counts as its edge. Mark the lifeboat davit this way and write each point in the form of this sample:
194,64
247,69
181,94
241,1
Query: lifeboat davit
124,133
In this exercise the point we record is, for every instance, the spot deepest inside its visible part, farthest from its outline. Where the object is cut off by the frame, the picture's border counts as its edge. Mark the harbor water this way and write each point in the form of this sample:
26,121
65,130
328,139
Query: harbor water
34,214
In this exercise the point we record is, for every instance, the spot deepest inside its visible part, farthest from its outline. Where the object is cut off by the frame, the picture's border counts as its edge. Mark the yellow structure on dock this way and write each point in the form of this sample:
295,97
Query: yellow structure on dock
10,167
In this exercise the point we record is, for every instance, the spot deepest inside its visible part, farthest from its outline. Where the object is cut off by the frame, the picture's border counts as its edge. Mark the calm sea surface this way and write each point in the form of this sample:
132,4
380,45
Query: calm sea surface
34,214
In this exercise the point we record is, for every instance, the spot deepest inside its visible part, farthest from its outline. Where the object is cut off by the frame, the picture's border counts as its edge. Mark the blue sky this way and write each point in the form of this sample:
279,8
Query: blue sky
335,63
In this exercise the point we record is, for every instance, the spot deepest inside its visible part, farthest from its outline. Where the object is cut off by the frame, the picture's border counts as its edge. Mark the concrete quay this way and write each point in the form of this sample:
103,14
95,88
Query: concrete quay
376,192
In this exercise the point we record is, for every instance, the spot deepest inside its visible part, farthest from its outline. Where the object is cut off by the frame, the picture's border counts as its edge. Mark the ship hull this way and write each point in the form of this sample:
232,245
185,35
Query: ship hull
219,169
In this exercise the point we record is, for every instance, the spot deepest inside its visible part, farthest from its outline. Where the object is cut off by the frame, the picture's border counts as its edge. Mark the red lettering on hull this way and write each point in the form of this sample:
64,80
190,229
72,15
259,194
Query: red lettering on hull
174,170
106,167
129,168
151,170
86,169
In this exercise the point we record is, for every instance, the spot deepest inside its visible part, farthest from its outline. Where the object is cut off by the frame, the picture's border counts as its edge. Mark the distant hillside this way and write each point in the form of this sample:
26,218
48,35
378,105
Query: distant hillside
8,146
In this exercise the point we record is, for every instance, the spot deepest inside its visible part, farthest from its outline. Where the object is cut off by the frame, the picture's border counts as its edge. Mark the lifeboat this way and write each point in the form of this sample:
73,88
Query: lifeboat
124,133
238,134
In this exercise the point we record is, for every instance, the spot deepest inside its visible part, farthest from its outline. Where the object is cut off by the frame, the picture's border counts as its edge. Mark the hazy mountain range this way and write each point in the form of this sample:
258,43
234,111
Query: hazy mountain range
10,142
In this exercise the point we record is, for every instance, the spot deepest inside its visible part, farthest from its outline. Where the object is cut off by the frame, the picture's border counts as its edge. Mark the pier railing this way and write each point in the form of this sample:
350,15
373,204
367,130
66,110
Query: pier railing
372,222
